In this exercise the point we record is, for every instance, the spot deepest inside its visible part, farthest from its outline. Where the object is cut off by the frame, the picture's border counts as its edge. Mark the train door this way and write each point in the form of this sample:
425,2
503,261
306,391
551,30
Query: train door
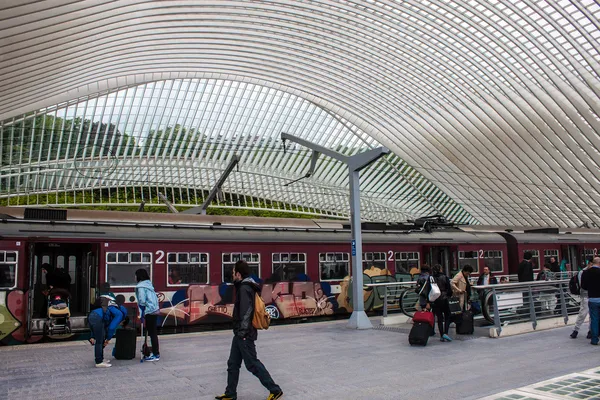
572,254
443,255
79,262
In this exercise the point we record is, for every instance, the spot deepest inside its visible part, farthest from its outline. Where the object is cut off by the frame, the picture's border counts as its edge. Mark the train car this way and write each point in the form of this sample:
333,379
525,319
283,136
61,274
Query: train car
304,265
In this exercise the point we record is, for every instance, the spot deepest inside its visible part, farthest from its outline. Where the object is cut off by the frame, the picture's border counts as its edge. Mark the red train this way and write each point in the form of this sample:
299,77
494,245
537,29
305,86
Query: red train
304,264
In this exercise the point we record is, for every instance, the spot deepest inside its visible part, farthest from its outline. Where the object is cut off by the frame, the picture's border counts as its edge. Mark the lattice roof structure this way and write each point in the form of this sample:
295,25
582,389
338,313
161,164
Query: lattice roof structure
490,107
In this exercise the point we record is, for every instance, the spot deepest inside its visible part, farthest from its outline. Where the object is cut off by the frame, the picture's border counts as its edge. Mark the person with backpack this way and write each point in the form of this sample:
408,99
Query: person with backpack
590,281
104,321
574,287
149,311
440,305
423,287
244,337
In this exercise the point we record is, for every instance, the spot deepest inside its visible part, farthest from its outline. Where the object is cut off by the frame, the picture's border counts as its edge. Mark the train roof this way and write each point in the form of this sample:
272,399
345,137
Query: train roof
182,227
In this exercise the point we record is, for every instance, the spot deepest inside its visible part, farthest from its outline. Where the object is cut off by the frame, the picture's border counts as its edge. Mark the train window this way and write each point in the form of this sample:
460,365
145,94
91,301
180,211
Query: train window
229,260
187,268
493,260
535,258
121,267
548,254
468,258
287,266
407,261
334,266
373,259
8,269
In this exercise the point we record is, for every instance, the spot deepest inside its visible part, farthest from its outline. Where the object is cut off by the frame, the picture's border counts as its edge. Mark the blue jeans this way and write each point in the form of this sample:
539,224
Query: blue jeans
97,326
594,320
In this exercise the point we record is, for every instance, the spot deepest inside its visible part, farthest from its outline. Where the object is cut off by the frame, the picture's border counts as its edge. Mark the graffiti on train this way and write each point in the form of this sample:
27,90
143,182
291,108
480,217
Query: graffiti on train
12,315
199,303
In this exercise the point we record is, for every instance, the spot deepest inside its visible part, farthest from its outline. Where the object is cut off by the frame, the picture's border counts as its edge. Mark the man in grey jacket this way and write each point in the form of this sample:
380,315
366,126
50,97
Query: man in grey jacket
583,306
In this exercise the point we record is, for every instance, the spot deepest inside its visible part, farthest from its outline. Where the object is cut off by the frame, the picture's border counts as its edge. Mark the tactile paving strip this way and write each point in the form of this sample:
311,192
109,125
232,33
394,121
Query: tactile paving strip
584,385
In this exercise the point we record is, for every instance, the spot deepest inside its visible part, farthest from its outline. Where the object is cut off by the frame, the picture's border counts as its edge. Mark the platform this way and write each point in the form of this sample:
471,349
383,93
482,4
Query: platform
310,361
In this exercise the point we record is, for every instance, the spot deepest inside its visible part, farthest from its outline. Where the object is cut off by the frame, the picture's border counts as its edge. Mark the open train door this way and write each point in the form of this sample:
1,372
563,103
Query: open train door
443,255
572,253
30,289
89,276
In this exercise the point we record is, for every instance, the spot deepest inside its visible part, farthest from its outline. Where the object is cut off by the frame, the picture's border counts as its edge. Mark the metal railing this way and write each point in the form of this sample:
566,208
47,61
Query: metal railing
500,304
526,302
391,294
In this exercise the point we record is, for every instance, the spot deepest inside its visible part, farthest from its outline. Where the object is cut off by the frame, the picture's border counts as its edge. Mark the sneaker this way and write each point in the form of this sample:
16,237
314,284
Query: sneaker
446,337
103,364
442,339
225,397
589,335
152,357
275,396
574,335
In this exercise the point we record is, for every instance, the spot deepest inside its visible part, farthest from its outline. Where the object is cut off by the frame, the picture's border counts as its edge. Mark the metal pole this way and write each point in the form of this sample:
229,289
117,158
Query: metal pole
532,309
563,303
358,319
385,301
496,311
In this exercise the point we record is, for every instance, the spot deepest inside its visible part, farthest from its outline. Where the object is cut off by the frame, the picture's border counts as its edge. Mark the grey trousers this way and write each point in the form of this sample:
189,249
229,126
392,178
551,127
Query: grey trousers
583,312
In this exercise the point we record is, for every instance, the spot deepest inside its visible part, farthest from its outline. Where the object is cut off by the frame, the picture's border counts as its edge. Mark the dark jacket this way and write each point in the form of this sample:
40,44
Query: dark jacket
59,278
525,271
243,310
590,281
443,283
423,288
554,267
493,280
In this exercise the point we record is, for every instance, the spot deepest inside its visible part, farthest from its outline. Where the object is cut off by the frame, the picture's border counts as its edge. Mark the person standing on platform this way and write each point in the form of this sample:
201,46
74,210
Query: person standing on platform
149,310
461,287
440,305
554,267
525,274
103,322
590,281
583,305
423,287
244,336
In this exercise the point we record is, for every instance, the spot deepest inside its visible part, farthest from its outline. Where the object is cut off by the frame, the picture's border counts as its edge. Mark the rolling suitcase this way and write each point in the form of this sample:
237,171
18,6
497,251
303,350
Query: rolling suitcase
125,344
465,324
419,334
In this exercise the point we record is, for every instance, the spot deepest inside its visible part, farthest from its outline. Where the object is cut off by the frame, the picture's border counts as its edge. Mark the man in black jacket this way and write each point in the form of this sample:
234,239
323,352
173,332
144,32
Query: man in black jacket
244,335
525,273
590,281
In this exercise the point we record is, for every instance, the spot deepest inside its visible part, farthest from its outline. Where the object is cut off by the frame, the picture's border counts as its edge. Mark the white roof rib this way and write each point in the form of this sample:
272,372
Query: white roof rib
491,107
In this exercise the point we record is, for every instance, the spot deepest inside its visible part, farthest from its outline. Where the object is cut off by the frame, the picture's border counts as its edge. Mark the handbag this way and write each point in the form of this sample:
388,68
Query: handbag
434,291
454,306
424,316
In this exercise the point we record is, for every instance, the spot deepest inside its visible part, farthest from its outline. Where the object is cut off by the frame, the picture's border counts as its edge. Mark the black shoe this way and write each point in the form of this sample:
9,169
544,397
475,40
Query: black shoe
225,397
589,335
574,335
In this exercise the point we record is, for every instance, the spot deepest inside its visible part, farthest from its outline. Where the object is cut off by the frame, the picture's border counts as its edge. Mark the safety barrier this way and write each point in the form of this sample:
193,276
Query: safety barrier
499,304
523,302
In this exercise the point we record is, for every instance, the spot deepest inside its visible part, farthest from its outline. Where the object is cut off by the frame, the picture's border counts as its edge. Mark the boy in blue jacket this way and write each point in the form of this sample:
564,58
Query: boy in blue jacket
104,322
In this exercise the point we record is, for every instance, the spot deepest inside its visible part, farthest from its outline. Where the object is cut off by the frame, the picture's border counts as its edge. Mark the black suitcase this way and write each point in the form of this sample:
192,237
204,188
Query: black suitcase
419,334
465,324
125,344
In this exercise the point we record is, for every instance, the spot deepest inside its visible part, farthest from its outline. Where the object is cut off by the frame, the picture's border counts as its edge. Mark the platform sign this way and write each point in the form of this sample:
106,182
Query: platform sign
353,247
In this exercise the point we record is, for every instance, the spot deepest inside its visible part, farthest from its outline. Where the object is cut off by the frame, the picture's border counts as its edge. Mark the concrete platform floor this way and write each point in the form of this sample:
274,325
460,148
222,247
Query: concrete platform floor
309,361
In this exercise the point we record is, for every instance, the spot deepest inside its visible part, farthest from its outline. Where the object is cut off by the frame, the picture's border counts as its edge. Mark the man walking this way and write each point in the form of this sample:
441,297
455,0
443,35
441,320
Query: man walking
244,336
590,281
583,306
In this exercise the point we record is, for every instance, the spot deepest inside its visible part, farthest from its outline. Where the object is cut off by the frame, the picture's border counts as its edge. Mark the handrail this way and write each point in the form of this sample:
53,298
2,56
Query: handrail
385,295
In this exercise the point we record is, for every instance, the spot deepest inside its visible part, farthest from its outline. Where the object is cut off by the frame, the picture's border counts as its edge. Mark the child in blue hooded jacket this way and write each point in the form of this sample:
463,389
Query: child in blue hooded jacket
103,325
149,311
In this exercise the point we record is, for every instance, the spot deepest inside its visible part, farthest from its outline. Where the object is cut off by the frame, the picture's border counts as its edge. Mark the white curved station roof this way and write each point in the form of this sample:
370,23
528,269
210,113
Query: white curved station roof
489,106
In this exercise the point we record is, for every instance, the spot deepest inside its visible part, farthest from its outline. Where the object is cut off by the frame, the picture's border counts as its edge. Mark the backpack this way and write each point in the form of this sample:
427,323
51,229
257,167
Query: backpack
574,287
261,318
